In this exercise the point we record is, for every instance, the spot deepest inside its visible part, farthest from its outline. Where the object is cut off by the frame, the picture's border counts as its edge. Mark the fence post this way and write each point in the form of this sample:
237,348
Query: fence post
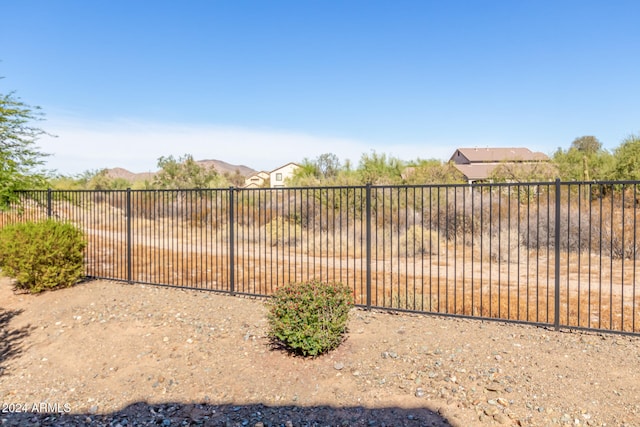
557,258
368,240
232,267
129,261
49,203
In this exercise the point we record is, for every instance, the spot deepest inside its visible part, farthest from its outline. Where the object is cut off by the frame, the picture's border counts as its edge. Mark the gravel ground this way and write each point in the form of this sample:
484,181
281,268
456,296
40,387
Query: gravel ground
108,354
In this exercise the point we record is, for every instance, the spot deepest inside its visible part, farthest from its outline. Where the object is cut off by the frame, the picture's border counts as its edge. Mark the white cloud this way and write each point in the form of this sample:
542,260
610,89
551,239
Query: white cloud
83,145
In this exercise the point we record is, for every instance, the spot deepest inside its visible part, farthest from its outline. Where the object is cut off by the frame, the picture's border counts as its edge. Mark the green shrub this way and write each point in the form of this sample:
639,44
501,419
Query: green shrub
310,318
42,255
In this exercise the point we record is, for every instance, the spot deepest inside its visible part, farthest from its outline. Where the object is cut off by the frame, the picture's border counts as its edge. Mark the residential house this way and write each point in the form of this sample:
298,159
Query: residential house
277,177
477,164
256,180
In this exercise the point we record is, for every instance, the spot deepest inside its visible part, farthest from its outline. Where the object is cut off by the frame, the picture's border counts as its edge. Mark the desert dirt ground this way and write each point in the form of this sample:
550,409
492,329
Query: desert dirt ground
110,353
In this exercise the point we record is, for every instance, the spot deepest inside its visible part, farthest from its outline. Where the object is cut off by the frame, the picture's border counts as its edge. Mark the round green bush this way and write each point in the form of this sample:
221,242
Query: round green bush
310,318
42,255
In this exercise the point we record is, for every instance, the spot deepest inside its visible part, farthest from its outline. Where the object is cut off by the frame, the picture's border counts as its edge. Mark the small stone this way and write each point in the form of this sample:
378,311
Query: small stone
419,392
490,411
338,366
501,418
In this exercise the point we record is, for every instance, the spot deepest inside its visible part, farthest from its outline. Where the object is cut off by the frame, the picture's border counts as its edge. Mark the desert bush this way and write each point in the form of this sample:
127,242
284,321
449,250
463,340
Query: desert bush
145,204
283,231
456,213
502,242
618,234
592,226
396,208
310,318
42,255
417,240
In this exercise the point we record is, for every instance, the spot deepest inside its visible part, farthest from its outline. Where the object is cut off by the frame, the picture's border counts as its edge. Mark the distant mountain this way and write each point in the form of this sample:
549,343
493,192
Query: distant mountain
221,167
224,167
129,176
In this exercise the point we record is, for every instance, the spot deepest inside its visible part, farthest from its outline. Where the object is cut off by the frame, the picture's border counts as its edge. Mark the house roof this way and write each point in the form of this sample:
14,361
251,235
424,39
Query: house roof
478,171
284,166
261,174
496,155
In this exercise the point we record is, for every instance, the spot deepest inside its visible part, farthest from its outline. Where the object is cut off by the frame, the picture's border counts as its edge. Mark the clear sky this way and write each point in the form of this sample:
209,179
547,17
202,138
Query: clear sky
263,83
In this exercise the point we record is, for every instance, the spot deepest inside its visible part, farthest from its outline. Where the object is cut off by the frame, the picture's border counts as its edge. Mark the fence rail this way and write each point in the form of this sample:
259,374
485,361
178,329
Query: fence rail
548,253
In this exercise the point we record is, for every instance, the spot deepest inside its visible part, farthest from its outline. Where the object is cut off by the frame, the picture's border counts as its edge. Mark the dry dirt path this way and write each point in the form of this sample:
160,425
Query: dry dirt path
108,353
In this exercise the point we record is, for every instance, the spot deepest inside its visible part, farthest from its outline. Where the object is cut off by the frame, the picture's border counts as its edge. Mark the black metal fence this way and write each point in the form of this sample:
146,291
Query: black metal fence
548,253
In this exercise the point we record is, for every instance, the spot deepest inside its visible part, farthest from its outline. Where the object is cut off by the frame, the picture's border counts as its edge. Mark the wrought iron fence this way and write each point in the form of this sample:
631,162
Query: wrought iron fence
548,253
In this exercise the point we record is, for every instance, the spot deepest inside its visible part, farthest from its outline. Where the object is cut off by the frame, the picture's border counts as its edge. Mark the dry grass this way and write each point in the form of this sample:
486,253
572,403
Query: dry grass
451,281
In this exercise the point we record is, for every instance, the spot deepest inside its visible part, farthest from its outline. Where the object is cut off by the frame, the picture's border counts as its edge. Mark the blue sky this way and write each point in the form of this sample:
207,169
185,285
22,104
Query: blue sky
263,83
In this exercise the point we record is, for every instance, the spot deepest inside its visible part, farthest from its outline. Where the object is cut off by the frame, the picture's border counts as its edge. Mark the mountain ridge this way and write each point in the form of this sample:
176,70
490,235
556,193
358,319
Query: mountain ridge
220,166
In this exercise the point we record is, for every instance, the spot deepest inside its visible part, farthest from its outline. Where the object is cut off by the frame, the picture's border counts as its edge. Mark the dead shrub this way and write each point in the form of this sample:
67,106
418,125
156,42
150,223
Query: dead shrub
417,240
283,231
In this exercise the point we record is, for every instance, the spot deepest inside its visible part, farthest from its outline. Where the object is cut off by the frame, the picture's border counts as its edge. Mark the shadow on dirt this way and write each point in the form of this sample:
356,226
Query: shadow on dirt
180,414
10,339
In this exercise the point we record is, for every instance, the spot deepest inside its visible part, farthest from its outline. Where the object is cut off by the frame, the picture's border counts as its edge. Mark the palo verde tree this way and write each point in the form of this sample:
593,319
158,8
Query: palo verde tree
380,169
183,173
320,171
585,160
432,171
627,159
20,157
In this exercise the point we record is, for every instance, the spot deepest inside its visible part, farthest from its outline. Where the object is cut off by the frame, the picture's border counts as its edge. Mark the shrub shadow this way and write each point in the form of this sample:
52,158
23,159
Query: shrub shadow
255,415
11,340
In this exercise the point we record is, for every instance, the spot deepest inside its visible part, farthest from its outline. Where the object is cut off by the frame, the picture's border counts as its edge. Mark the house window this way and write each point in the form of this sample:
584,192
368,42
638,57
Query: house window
278,177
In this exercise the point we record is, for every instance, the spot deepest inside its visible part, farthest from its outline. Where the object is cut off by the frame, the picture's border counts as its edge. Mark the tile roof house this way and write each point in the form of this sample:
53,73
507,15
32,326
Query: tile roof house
477,164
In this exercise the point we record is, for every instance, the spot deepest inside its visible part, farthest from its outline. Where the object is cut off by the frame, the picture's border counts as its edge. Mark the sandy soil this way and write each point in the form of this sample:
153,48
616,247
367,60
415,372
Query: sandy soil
108,353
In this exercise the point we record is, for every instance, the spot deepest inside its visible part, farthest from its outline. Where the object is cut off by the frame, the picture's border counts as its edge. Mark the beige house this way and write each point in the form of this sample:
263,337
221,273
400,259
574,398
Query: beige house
277,177
477,164
256,180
